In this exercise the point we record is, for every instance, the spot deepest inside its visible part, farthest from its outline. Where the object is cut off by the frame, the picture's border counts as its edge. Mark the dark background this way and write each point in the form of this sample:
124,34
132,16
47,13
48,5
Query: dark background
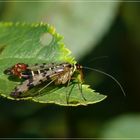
115,117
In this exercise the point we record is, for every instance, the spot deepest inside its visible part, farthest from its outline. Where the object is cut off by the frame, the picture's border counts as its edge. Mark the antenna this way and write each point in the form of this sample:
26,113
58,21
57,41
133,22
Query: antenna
99,71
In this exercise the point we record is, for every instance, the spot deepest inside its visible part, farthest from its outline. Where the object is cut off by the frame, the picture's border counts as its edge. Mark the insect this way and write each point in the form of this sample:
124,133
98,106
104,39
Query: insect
59,74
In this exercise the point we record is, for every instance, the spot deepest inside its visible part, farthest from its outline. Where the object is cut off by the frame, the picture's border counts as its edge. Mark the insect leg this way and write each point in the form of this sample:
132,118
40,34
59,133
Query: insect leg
46,85
81,91
68,95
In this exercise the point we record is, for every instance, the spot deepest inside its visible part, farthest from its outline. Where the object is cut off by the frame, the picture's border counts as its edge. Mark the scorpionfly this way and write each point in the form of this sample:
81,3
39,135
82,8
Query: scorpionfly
59,74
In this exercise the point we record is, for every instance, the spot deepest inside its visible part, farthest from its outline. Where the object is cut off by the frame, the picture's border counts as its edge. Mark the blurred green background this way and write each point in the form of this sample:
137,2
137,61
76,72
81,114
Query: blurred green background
91,30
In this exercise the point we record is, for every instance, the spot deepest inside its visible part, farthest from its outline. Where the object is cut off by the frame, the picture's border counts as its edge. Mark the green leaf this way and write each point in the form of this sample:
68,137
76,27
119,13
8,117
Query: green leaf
123,127
70,19
38,43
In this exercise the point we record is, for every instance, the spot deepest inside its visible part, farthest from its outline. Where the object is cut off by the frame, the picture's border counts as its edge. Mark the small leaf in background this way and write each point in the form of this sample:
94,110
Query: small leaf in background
38,43
127,126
